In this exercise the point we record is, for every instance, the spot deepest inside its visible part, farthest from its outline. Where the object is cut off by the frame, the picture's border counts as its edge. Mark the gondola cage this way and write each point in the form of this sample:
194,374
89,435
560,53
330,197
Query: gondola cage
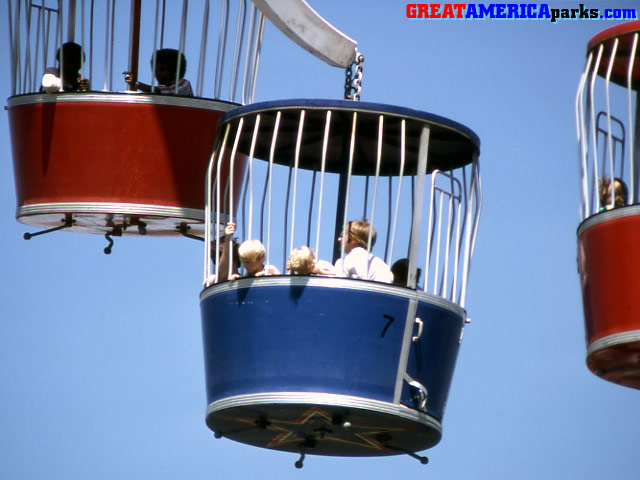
102,158
328,365
608,126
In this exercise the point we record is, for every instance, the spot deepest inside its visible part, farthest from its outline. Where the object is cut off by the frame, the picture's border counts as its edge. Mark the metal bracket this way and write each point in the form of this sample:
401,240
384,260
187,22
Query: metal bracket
184,228
67,223
421,394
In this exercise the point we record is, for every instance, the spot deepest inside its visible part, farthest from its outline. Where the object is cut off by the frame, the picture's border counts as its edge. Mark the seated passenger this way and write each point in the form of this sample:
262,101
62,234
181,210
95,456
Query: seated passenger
66,77
228,243
358,263
620,194
303,262
252,256
400,271
166,61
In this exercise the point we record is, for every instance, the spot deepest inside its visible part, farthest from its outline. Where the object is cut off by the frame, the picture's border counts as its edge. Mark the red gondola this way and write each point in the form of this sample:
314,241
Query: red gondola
608,120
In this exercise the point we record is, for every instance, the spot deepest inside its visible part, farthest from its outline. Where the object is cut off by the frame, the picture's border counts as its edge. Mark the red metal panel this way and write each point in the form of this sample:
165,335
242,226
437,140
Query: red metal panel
108,150
111,152
609,263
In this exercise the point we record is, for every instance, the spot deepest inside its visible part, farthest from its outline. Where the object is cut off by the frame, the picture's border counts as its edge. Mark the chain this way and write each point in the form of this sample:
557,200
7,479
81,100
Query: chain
353,84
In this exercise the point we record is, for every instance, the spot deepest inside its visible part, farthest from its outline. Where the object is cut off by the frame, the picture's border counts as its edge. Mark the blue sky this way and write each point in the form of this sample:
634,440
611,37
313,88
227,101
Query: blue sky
101,369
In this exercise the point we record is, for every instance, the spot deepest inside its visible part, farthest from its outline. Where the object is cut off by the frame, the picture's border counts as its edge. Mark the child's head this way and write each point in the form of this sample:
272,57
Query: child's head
252,254
302,261
358,232
71,57
220,246
167,60
619,192
400,271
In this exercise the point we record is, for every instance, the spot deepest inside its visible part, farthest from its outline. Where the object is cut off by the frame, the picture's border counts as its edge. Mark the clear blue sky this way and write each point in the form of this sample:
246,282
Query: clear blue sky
101,369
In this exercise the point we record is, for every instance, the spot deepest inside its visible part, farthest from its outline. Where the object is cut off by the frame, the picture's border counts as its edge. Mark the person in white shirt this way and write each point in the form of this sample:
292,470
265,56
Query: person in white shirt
358,262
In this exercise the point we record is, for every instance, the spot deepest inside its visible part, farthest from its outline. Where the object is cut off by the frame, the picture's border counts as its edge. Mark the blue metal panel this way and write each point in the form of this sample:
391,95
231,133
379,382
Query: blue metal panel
303,339
312,364
432,358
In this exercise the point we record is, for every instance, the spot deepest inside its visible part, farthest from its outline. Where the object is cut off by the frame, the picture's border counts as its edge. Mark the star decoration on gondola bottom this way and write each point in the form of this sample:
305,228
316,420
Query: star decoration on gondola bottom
317,424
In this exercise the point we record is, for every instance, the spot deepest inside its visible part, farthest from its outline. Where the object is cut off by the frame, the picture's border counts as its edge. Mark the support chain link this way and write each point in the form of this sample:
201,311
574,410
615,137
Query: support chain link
353,83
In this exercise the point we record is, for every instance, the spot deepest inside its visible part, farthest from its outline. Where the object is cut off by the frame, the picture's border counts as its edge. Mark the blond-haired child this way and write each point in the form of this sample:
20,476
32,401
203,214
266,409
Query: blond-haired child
252,255
303,262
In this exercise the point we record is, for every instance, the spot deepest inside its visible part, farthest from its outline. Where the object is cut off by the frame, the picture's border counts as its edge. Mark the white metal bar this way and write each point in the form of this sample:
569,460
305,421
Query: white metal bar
247,58
421,176
590,109
634,141
181,45
222,45
203,49
158,30
296,162
325,143
612,59
474,218
251,152
582,136
215,155
256,58
237,48
352,141
232,162
375,185
274,138
399,190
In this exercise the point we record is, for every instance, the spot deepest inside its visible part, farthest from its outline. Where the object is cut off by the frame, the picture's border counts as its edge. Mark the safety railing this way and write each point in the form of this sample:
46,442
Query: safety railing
221,41
607,122
307,172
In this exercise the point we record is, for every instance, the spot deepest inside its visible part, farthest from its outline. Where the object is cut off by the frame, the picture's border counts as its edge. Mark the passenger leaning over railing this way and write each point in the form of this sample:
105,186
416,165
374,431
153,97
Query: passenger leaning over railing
166,66
358,263
225,245
303,262
620,193
66,77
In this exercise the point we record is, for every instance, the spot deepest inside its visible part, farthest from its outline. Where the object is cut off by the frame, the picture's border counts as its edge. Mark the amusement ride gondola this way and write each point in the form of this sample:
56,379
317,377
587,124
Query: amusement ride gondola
608,125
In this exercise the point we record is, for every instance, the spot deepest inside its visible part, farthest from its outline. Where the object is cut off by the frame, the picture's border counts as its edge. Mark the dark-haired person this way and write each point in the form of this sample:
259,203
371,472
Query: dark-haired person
170,67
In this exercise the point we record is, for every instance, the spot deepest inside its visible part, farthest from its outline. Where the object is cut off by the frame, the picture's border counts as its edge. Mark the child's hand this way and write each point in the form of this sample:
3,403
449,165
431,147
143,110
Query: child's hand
234,276
230,229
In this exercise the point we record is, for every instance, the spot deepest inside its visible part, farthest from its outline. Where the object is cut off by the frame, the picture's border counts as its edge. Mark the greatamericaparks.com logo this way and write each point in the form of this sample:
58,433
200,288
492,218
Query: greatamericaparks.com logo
515,11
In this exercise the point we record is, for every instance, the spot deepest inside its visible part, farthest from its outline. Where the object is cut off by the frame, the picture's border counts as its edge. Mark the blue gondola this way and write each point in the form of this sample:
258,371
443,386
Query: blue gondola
328,365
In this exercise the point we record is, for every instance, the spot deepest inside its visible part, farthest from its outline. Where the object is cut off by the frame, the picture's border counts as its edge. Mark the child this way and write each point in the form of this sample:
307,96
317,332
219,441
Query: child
67,76
303,262
166,73
400,271
358,263
251,253
619,193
